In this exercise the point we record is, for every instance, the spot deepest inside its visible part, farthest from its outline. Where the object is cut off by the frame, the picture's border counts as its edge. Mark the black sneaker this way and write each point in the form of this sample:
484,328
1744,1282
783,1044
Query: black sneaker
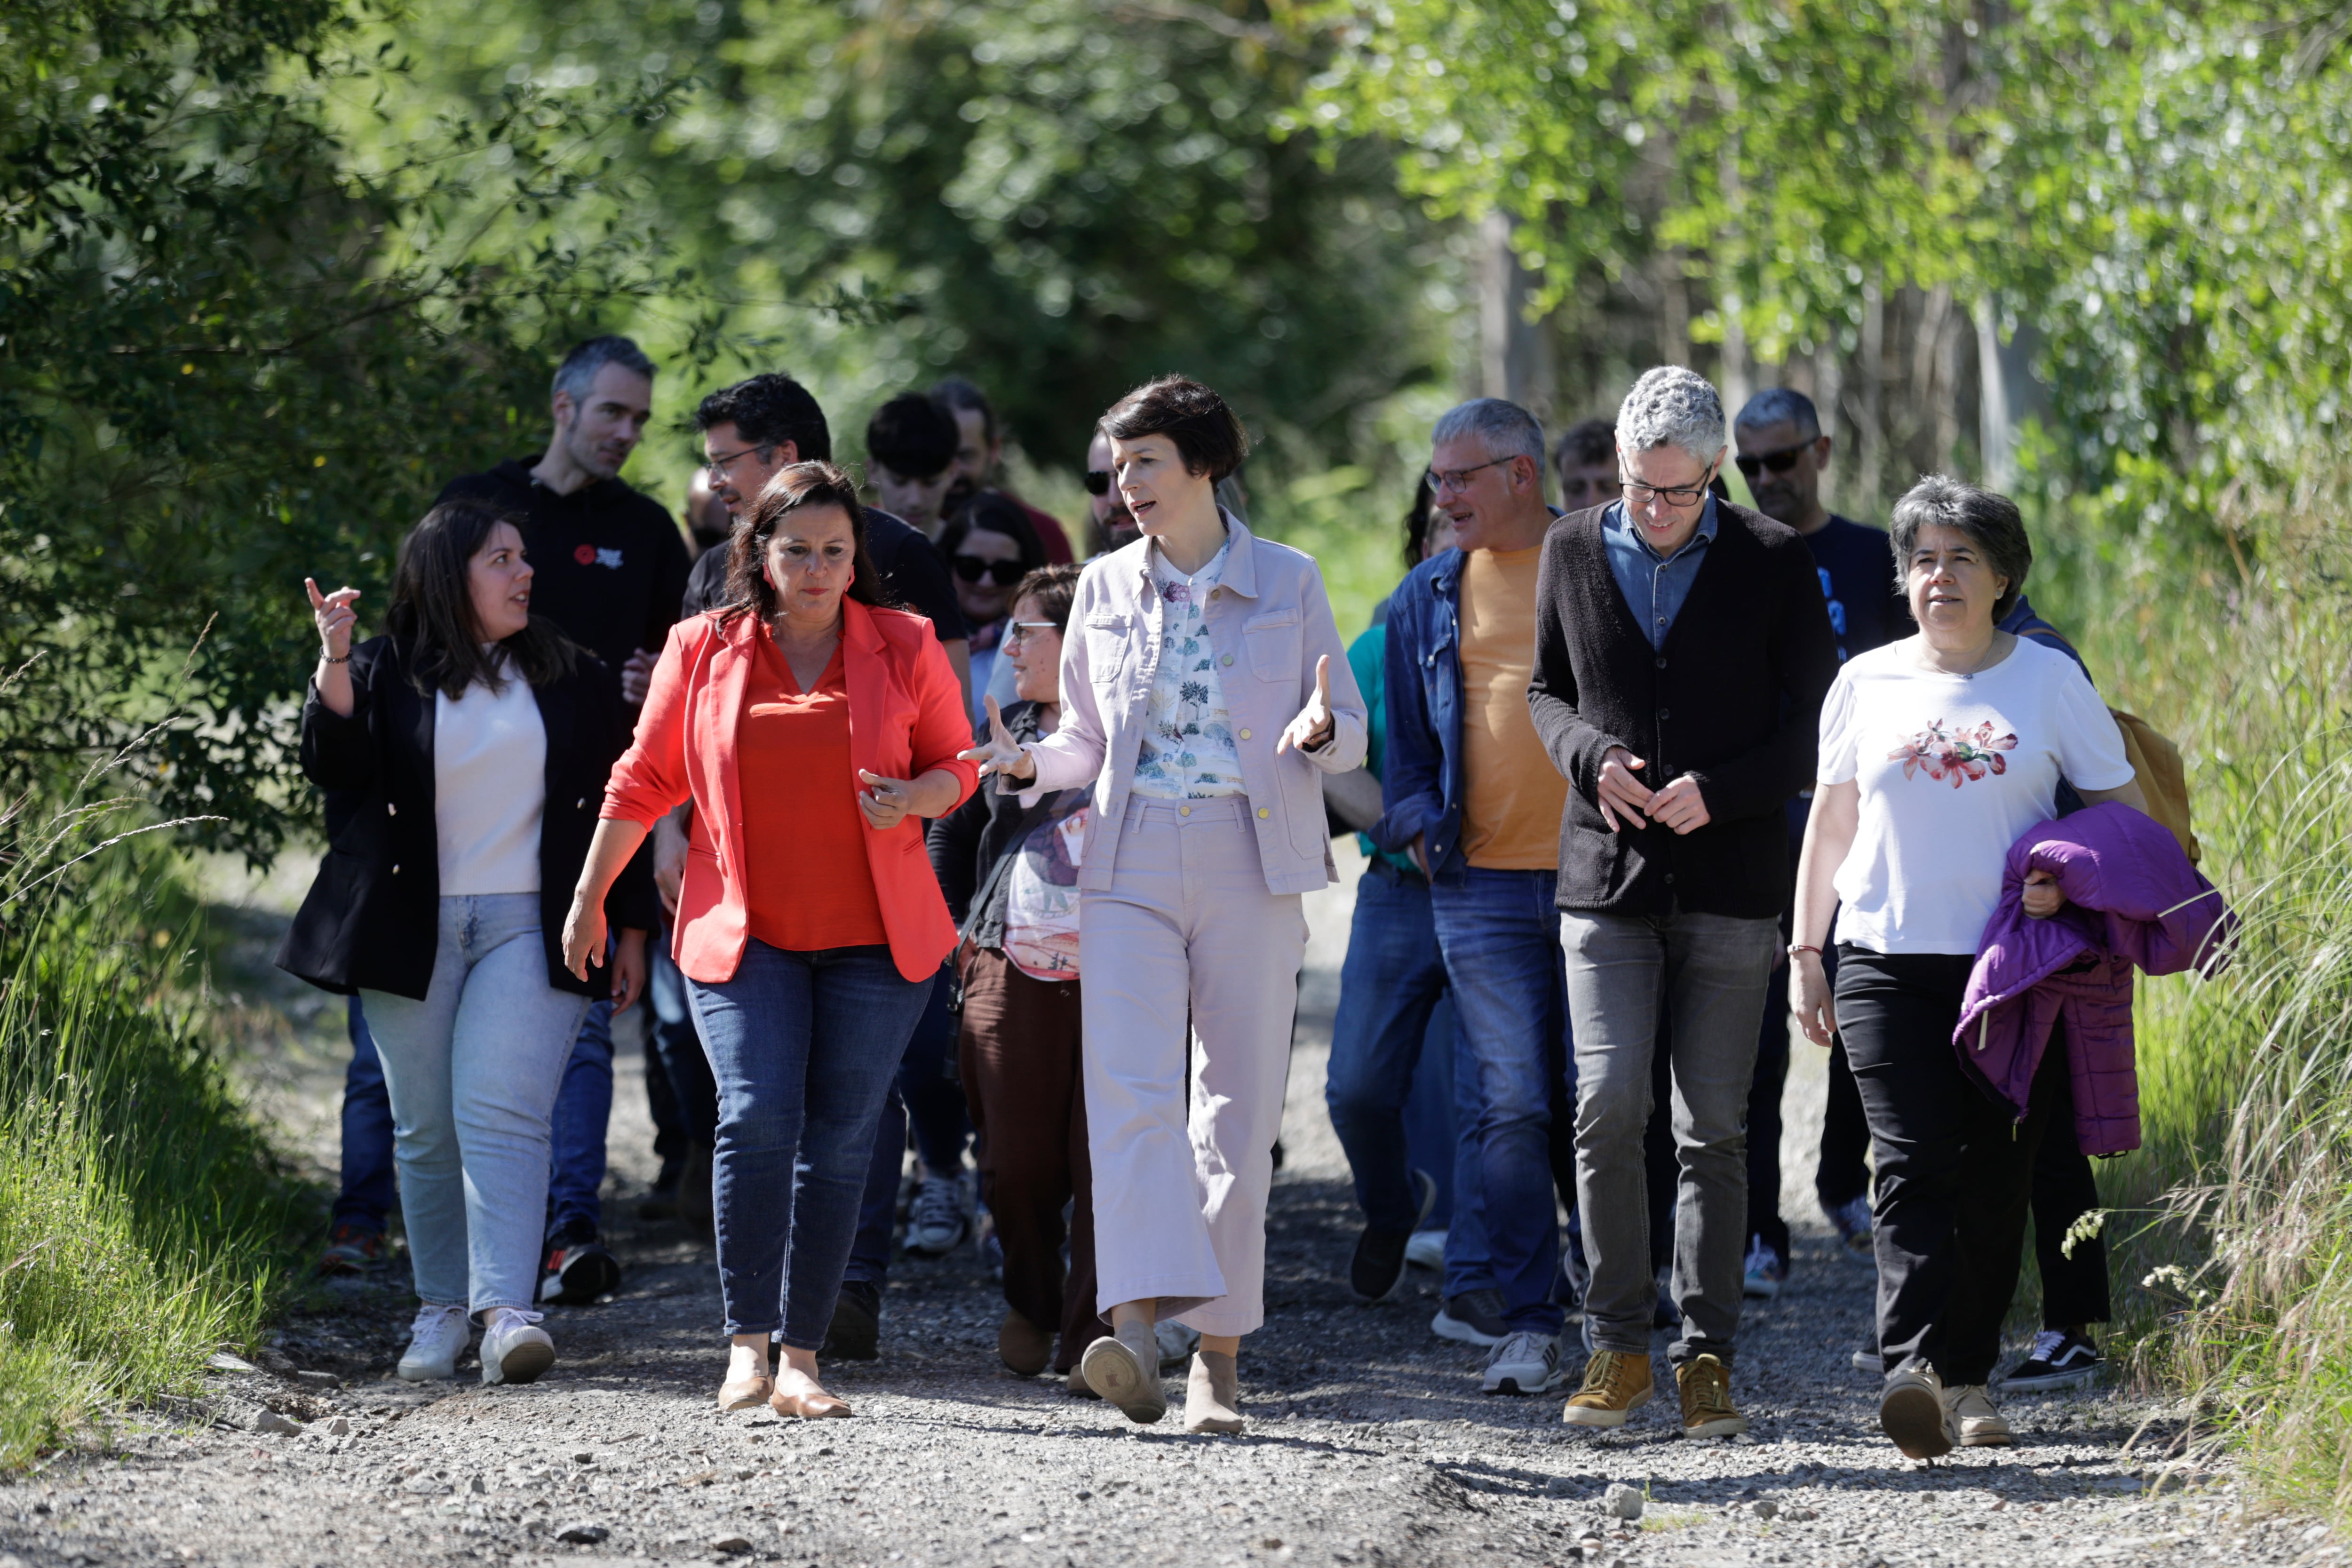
1377,1271
575,1274
856,1333
2058,1360
1475,1318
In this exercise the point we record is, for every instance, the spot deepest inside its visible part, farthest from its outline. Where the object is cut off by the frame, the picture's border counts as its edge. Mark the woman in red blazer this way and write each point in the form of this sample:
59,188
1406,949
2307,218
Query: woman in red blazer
811,727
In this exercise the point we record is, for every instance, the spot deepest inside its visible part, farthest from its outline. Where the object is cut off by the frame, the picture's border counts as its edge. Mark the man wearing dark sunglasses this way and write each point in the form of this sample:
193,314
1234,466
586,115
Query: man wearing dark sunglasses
1782,454
1114,525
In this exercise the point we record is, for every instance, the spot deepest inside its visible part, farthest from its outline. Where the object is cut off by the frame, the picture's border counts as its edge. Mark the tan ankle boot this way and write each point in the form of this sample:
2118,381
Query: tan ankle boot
1213,1399
1124,1370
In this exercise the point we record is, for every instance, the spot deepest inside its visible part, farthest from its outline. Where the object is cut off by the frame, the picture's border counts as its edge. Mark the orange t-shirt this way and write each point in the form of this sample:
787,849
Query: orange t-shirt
807,883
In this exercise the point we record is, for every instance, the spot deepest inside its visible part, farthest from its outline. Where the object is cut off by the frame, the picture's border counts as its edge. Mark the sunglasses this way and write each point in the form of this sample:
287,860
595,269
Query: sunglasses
1582,486
1003,573
1022,631
1098,482
1779,462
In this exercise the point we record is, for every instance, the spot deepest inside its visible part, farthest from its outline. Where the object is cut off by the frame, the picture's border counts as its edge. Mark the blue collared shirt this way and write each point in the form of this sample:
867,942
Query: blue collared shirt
1654,586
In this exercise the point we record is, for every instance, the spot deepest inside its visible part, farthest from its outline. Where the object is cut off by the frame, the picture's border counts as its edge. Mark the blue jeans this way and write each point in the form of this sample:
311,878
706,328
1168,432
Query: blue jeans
575,1210
1499,933
369,1191
1392,994
803,1046
679,1050
921,1092
473,1070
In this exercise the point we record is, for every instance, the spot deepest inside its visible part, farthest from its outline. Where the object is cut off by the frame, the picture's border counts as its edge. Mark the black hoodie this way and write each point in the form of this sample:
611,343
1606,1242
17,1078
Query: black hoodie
610,564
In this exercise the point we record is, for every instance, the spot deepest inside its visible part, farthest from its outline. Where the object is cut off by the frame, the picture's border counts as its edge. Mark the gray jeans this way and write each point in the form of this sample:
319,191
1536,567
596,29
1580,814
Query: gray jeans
473,1070
1709,971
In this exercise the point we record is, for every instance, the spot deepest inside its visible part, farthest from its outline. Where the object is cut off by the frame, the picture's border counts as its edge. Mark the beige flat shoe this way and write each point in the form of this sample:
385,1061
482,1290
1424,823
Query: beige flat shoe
1124,1370
1213,1396
745,1393
809,1406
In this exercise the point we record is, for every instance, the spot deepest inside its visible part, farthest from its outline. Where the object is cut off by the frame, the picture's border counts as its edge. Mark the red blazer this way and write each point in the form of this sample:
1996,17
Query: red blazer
906,718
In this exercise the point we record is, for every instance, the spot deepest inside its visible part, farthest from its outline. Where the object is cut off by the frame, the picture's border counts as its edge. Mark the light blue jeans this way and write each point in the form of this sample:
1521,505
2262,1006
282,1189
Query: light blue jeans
473,1070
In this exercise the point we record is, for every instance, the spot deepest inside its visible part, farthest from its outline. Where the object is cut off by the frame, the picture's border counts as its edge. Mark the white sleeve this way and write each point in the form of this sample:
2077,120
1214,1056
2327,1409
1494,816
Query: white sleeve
2090,743
1841,720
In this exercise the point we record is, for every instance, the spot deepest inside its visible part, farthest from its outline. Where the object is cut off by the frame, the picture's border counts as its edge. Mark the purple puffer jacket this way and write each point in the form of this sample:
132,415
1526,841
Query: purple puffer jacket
2132,898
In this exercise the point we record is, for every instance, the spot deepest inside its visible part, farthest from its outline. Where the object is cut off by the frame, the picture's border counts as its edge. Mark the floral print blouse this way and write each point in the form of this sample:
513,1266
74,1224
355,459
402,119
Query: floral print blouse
1188,750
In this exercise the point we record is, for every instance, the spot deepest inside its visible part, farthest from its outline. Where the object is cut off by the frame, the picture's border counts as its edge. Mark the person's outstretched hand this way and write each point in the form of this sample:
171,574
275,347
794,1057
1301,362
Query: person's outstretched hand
1000,754
333,615
1311,731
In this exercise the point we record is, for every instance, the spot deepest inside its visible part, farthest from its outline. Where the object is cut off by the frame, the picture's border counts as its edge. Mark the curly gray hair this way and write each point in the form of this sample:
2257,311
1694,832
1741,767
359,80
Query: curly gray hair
1990,522
1671,406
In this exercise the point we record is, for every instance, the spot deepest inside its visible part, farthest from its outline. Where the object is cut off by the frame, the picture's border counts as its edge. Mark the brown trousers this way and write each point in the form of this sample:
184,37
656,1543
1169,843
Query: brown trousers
1019,1056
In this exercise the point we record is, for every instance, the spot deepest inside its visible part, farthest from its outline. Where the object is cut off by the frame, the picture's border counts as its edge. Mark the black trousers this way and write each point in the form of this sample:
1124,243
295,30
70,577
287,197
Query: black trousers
2074,1290
1954,1171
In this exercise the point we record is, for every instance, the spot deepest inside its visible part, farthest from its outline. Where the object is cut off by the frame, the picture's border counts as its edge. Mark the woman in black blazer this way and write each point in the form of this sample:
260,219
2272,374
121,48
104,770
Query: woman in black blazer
463,754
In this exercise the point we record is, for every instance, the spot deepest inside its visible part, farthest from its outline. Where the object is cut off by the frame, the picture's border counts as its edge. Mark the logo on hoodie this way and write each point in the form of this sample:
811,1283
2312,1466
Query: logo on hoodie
588,555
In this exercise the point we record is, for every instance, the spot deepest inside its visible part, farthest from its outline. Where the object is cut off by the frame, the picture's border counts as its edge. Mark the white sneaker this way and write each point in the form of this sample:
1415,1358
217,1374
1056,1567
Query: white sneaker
515,1349
936,1227
1525,1363
1974,1418
1425,1249
434,1341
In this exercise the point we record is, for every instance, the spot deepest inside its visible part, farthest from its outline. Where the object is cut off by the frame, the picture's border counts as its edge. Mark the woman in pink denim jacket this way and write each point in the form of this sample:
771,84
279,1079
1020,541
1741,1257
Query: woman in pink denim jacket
1204,690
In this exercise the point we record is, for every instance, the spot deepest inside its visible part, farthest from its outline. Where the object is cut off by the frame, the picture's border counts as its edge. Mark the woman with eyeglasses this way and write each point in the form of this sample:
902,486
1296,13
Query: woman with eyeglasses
1205,692
989,546
1010,871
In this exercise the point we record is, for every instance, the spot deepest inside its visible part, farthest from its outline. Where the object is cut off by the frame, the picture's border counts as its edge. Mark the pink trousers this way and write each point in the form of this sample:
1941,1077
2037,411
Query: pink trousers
1180,1178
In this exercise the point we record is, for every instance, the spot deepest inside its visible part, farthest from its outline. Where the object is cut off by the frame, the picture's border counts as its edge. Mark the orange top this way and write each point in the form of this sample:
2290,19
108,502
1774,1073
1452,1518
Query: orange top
807,885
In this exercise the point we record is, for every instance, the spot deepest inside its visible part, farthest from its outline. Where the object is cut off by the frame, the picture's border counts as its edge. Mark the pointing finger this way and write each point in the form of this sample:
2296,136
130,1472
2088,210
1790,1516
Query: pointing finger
317,600
1323,679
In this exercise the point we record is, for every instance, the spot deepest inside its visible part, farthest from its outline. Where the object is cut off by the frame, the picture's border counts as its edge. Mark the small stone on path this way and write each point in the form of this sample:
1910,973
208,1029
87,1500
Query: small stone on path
269,1424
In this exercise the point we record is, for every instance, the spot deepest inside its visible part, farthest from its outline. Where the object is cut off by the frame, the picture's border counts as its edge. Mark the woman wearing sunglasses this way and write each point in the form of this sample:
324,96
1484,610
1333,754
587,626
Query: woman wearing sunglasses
989,546
1203,690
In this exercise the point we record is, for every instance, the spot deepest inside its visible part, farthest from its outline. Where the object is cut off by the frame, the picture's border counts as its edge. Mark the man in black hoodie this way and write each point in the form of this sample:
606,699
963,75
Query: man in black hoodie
611,568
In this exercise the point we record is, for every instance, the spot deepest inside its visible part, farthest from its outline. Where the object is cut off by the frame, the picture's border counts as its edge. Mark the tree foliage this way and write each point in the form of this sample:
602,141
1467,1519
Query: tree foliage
2159,194
236,349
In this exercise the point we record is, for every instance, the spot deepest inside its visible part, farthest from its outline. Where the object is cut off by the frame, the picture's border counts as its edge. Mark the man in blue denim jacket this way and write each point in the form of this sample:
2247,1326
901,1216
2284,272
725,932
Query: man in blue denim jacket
1473,797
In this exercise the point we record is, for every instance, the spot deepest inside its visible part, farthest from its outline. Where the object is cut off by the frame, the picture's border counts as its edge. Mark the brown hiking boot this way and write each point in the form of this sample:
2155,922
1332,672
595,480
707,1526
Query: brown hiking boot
1614,1383
1707,1410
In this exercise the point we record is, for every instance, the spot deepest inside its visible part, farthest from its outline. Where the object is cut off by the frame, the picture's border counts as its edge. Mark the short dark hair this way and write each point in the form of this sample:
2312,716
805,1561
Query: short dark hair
1775,404
1056,589
767,411
993,513
797,487
432,613
578,372
1991,522
912,437
1204,431
957,395
1586,442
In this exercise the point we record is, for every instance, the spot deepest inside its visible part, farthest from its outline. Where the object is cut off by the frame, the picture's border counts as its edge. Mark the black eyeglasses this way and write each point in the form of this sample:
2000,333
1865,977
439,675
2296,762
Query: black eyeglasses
1098,482
1003,573
1780,462
1639,494
1457,479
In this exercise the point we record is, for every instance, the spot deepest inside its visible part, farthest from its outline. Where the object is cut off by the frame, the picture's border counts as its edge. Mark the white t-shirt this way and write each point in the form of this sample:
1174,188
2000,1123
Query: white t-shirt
490,787
1952,769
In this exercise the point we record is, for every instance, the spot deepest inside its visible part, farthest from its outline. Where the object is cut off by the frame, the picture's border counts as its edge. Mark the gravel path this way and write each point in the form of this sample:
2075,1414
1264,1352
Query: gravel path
1369,1442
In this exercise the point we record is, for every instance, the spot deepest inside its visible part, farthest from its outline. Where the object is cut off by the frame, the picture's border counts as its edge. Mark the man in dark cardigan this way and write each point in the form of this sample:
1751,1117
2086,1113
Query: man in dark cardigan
1683,649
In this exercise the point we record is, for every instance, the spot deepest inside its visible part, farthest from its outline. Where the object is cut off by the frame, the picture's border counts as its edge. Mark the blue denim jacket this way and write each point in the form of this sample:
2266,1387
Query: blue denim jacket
1421,776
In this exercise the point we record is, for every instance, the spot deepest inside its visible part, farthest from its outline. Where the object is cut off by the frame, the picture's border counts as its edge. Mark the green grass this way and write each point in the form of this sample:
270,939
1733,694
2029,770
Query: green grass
2233,1239
144,1220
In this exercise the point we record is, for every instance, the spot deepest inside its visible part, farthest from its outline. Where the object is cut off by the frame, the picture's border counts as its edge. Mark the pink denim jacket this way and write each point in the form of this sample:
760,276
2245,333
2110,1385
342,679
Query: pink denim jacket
1267,621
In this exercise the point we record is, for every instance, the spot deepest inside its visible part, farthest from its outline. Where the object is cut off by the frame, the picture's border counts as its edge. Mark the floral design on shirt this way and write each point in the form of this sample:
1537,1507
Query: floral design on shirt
1188,750
1954,756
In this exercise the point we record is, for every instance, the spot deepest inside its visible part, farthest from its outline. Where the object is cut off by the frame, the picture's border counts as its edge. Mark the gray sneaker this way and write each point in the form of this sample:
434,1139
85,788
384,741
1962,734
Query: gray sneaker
1525,1363
1472,1318
1914,1412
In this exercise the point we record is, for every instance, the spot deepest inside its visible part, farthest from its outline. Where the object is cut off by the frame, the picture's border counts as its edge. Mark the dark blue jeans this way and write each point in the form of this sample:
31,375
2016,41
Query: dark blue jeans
369,1187
925,1091
679,1050
1392,994
803,1046
1499,933
584,1107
